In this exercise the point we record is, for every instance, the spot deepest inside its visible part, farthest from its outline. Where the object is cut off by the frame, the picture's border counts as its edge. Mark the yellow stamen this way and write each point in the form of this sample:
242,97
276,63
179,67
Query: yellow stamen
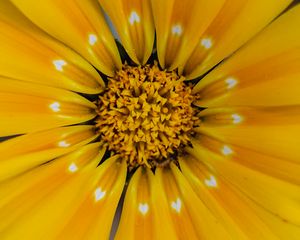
146,115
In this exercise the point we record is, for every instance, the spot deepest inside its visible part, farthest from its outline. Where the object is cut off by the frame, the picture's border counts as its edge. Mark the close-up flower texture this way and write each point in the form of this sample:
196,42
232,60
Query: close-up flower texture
149,119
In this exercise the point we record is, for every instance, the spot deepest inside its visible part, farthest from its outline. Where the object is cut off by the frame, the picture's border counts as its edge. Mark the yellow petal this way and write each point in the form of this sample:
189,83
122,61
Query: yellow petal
27,107
20,194
237,22
265,72
137,219
25,152
191,218
272,131
280,227
277,196
78,24
145,210
134,24
223,201
281,168
50,213
179,25
161,210
98,203
29,54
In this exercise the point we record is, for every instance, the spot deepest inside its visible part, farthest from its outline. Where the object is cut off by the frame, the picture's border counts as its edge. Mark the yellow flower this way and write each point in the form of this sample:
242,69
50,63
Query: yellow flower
89,128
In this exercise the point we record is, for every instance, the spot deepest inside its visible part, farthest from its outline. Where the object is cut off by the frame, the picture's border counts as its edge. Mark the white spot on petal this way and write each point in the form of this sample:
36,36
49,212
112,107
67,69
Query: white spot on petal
236,118
206,43
226,150
134,18
63,144
92,39
59,64
176,205
99,194
143,208
211,182
55,107
231,82
177,29
73,167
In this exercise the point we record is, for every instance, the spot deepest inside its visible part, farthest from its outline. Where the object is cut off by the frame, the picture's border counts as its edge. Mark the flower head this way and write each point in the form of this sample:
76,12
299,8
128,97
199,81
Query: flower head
149,119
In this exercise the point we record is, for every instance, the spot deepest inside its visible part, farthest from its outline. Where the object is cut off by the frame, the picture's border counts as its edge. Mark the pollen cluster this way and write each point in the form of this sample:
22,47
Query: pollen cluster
146,115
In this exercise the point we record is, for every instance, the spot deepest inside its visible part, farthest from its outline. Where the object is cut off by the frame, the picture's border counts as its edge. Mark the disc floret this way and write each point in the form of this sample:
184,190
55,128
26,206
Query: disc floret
146,115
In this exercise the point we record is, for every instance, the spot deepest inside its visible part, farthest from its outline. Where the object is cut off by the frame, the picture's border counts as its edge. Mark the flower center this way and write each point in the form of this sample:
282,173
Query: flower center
146,115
